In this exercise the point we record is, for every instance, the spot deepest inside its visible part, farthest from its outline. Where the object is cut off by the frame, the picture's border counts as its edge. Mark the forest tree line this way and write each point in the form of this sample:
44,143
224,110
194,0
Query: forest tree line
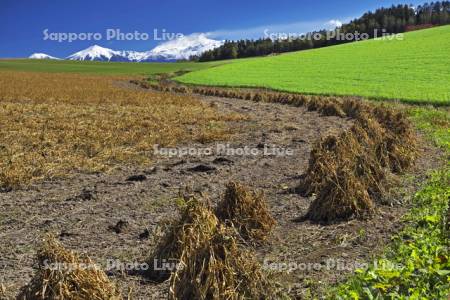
396,19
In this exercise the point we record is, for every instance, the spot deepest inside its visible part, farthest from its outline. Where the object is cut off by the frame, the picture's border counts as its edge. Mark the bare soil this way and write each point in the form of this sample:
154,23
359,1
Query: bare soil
118,216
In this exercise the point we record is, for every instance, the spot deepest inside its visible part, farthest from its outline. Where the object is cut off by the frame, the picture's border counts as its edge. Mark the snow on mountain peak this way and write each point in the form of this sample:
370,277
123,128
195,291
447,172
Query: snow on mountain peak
186,46
41,56
95,52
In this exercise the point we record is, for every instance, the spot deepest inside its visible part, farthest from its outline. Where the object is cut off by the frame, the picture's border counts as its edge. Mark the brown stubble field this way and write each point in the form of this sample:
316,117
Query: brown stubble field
53,125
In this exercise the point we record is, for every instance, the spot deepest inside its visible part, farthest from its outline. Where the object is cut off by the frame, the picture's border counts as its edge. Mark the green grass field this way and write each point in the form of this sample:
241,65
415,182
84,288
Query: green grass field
416,69
107,68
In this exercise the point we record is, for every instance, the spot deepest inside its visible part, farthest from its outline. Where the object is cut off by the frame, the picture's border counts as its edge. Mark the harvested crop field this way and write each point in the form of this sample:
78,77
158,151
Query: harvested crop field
53,125
120,215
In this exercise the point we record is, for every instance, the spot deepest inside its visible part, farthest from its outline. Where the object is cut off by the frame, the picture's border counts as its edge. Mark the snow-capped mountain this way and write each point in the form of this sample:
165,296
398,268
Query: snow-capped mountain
178,49
97,53
41,56
184,47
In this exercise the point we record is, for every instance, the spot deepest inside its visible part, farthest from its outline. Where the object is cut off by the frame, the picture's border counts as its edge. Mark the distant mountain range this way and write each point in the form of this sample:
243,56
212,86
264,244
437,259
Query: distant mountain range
178,49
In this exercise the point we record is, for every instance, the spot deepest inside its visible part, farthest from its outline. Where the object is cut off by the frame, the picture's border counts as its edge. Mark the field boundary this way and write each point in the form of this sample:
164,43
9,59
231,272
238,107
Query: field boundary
329,95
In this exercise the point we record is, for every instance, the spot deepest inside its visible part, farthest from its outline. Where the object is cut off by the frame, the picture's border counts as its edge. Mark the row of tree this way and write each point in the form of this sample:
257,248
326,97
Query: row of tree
396,19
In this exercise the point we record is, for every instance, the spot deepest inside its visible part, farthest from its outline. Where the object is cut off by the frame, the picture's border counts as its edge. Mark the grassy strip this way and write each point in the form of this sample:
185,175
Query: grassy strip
435,123
101,68
417,264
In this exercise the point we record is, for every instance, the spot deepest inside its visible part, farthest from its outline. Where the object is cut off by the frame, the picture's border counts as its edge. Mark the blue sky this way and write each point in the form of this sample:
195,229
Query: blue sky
22,23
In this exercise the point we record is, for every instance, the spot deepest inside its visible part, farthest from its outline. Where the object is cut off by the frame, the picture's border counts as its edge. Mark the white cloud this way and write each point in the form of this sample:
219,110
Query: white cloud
296,28
334,23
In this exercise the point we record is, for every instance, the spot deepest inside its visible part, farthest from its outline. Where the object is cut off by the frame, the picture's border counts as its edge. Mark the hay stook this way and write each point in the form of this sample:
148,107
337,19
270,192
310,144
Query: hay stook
63,274
247,211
